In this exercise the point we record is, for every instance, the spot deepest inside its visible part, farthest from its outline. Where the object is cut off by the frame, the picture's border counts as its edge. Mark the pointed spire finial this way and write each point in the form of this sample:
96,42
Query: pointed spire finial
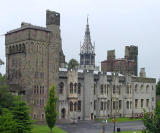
87,19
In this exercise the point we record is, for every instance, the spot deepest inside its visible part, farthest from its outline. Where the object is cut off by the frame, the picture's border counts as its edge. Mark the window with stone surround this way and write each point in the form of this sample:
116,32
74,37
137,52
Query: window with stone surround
136,103
127,104
71,106
61,87
120,104
101,105
108,104
79,88
79,105
102,89
114,105
142,100
147,102
75,106
136,88
71,88
114,89
75,88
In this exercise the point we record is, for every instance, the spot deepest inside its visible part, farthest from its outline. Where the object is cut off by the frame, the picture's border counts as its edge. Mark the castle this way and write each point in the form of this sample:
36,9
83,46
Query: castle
35,60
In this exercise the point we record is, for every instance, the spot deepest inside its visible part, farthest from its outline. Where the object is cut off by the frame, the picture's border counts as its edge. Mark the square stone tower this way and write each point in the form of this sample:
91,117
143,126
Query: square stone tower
33,57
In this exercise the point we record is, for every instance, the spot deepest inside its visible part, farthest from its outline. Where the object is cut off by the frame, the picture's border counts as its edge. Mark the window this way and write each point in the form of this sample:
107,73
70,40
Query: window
71,106
130,104
71,88
120,104
108,104
152,99
142,103
42,116
75,106
94,104
147,88
105,89
136,103
119,90
114,89
75,88
61,87
101,89
79,105
147,102
101,105
34,116
127,89
114,105
136,86
141,88
79,88
127,104
105,105
94,89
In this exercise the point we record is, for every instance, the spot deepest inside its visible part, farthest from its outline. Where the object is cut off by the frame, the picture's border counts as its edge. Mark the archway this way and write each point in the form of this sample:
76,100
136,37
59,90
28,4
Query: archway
92,116
63,113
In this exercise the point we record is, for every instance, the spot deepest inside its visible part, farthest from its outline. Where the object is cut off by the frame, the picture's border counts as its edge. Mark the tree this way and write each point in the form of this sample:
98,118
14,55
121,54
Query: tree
50,109
72,64
152,123
7,123
6,99
21,116
158,88
1,62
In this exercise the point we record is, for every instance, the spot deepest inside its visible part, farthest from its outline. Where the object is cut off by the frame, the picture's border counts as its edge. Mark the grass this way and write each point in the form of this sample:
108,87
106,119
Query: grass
131,132
121,119
45,129
125,119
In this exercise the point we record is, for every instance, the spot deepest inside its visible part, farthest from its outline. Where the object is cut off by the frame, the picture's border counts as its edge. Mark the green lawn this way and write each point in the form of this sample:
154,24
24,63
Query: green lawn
121,119
131,132
125,119
45,129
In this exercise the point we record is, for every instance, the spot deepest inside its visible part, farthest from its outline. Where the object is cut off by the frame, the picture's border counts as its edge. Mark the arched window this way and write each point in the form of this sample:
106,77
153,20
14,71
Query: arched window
10,49
105,89
13,50
136,88
147,88
79,88
16,48
75,106
141,88
71,88
101,89
20,47
61,87
114,89
127,104
71,106
75,88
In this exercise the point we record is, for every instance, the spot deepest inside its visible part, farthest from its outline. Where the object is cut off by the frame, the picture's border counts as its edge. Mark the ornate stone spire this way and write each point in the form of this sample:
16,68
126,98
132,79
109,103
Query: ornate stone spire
87,54
87,44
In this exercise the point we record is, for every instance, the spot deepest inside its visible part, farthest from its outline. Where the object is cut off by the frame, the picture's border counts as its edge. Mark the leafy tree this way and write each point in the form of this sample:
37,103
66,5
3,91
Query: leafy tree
152,123
6,99
7,123
1,62
73,64
50,109
21,116
158,88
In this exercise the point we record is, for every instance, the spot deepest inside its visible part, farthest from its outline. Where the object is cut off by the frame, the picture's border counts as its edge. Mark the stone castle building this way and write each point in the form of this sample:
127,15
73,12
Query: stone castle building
35,61
126,65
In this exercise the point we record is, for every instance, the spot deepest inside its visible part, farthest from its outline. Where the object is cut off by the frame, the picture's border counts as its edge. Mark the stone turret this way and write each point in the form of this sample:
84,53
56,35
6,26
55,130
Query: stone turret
142,73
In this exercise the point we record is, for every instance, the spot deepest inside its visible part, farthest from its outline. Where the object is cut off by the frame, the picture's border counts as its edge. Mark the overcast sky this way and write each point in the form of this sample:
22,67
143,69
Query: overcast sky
113,25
